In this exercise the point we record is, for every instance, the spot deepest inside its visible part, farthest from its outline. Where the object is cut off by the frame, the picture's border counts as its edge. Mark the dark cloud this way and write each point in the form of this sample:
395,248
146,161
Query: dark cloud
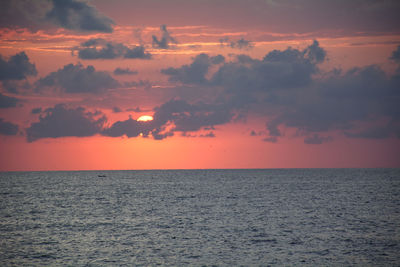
8,101
16,86
316,139
218,59
137,52
245,78
23,14
46,14
78,79
283,87
185,134
340,102
253,133
314,53
124,71
239,44
209,128
160,136
103,49
8,128
141,83
77,15
116,110
272,139
10,86
206,135
286,69
130,128
61,121
17,67
165,39
173,116
396,55
209,135
188,117
195,72
137,109
36,110
272,127
100,49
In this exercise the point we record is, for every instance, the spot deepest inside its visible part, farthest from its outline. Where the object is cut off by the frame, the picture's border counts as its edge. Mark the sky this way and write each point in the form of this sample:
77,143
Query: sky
198,84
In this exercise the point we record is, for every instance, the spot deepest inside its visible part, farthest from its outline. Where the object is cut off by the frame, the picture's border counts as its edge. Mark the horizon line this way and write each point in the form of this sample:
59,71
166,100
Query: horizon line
197,169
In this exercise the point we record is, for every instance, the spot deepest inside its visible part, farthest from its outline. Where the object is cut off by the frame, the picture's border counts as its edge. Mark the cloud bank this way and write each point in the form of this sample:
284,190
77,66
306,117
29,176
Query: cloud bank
194,73
61,121
77,79
103,49
68,14
285,87
124,71
8,128
8,101
17,67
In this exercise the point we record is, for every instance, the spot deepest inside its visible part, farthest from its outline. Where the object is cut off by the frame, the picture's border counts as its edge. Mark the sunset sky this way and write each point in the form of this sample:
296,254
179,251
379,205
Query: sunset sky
228,83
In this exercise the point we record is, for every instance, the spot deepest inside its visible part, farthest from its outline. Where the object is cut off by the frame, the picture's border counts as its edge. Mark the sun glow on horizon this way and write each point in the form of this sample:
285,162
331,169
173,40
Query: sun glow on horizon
145,118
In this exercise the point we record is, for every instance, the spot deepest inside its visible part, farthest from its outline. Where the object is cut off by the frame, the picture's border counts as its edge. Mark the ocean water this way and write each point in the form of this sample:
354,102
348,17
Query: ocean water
295,217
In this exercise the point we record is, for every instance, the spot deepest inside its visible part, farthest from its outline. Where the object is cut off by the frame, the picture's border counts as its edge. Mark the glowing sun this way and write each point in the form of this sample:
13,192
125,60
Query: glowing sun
145,118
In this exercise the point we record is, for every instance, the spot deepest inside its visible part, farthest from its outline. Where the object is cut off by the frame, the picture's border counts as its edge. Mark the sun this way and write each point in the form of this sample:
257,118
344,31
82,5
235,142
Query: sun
145,118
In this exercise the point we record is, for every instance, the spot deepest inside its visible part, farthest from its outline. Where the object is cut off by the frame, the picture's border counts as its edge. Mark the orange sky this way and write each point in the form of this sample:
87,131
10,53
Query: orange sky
312,133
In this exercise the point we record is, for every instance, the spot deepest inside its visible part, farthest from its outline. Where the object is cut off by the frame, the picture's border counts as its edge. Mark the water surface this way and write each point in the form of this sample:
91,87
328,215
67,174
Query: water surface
310,217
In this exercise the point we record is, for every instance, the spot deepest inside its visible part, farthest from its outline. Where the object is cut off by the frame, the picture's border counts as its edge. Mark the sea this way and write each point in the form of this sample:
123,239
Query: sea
259,217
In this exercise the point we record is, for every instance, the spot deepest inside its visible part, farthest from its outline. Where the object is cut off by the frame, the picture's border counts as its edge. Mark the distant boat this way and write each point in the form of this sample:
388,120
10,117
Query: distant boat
101,175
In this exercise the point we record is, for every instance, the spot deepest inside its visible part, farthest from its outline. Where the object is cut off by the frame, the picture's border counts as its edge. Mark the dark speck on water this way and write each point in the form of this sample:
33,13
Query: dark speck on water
296,217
